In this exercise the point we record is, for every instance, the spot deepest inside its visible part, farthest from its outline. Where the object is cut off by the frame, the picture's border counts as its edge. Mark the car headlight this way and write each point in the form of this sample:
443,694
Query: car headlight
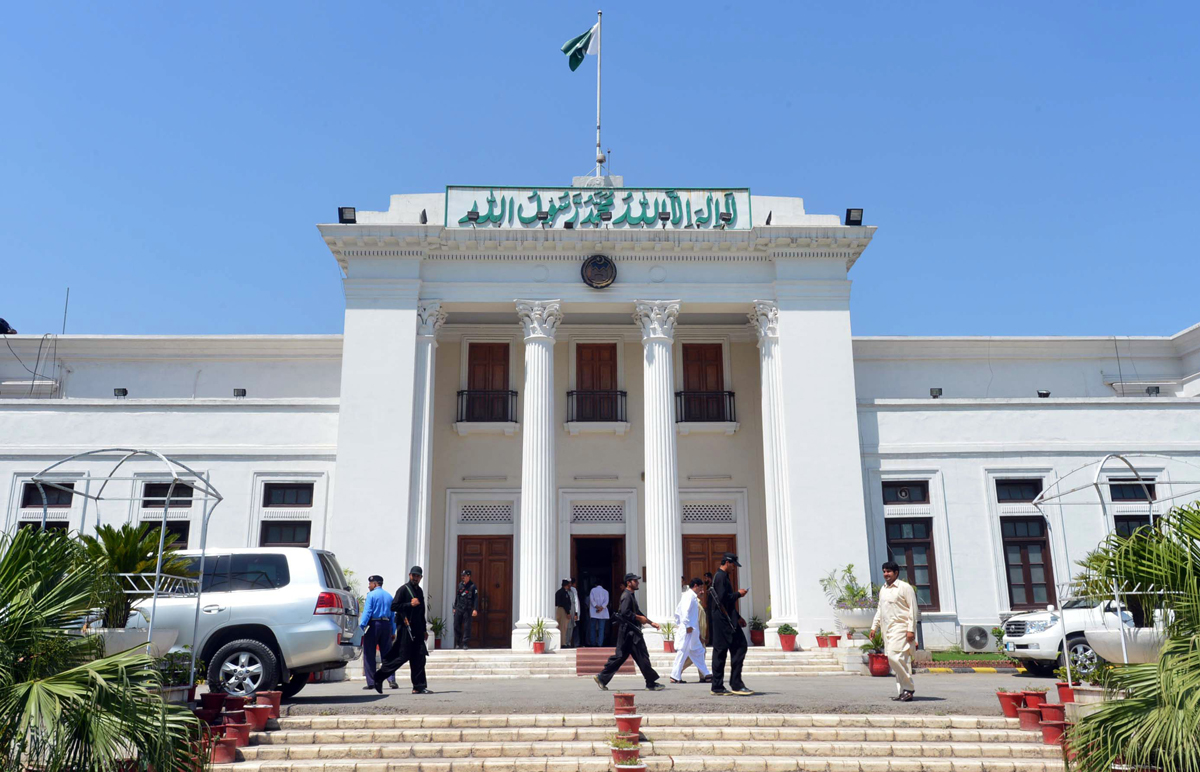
1040,625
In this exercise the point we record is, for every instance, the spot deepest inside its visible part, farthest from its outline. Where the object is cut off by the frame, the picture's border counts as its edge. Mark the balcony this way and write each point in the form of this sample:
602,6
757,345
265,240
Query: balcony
705,412
486,412
596,412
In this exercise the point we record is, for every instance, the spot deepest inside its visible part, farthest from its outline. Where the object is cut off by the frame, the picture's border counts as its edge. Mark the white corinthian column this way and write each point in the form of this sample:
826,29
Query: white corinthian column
780,551
664,540
537,532
430,318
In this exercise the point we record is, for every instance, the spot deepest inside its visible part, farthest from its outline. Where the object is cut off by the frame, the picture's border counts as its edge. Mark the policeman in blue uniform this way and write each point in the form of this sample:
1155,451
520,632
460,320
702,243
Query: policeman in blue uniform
378,623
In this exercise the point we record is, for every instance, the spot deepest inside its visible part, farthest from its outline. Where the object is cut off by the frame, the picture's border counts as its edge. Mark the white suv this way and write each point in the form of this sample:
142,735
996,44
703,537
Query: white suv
1035,639
268,617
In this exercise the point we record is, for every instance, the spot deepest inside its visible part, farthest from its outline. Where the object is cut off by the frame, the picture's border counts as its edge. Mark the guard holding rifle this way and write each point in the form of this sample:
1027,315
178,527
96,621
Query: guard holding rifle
630,642
466,606
726,625
409,646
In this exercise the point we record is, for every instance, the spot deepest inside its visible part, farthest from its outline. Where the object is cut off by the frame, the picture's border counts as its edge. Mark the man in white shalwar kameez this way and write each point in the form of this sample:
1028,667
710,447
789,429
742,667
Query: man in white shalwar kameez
687,634
897,619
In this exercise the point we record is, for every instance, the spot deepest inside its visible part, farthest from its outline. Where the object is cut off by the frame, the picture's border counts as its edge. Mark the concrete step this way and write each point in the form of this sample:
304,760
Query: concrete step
605,720
660,764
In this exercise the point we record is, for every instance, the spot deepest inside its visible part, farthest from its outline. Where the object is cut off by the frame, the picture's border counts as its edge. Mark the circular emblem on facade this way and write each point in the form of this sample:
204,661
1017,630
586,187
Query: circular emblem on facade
598,271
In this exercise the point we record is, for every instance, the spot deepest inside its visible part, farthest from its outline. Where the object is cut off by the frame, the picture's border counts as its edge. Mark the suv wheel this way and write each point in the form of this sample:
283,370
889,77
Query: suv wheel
293,687
1083,659
243,667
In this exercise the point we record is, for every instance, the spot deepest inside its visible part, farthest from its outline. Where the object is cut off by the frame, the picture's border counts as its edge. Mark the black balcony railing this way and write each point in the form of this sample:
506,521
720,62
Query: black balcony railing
596,406
478,406
691,406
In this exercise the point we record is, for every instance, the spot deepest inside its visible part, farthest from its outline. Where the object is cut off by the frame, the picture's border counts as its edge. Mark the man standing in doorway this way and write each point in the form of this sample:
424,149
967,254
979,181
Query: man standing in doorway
598,615
572,637
378,623
726,625
897,618
562,613
630,642
466,607
687,621
409,647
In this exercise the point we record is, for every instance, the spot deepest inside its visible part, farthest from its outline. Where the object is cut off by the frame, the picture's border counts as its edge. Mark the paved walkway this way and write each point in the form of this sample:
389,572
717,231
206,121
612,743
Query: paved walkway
941,694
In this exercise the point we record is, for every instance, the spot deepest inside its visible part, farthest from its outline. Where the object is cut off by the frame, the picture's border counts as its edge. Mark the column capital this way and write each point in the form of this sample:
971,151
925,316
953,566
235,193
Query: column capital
765,320
430,318
656,318
540,318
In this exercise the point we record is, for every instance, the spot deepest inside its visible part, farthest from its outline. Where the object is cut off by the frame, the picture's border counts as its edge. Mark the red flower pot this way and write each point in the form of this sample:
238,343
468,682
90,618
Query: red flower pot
239,733
212,700
1052,711
624,710
1030,718
758,637
631,737
1009,702
235,717
1066,693
632,767
437,643
539,647
623,700
1033,699
625,756
224,751
833,641
787,642
1052,732
274,699
257,716
206,715
822,641
878,665
234,703
669,646
629,724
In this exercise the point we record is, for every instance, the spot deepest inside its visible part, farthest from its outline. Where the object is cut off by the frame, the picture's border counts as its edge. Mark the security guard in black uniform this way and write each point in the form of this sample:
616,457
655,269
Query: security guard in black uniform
630,642
466,606
409,646
726,626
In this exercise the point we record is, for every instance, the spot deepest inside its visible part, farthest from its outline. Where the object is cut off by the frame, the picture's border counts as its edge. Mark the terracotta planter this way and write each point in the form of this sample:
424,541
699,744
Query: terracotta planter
212,700
631,767
632,737
787,642
234,717
257,716
274,699
206,715
1066,693
625,756
437,643
539,647
1052,732
234,703
758,637
1030,718
1053,711
623,700
669,646
224,751
629,723
822,641
624,710
239,733
878,665
1009,702
1033,699
833,641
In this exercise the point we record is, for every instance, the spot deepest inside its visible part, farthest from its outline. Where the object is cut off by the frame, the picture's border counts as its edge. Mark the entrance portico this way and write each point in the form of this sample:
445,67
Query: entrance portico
723,401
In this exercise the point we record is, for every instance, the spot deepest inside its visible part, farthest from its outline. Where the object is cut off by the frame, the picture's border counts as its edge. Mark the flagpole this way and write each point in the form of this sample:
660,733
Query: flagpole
599,43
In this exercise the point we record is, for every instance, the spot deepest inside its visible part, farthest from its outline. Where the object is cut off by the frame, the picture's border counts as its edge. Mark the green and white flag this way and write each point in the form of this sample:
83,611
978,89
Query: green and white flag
577,48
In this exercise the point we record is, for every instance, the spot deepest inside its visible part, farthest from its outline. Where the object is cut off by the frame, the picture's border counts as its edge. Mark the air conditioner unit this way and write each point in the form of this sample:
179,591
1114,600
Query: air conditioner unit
977,638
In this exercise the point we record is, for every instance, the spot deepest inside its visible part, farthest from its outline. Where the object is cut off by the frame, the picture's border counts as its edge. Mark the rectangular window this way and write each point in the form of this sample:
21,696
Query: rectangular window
906,493
1127,524
1027,562
180,529
1129,489
51,525
285,533
154,495
1017,491
287,495
910,544
258,572
56,498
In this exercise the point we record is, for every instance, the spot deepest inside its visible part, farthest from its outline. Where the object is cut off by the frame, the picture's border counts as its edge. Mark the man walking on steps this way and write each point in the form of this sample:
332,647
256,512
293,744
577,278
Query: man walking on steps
687,621
726,626
466,607
630,642
409,647
897,618
378,623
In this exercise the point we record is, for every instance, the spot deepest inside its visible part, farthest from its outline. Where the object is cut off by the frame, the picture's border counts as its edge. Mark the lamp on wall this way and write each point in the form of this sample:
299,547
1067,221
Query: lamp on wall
543,216
935,392
347,215
239,393
1043,393
605,217
854,217
122,393
725,218
472,217
1151,391
663,217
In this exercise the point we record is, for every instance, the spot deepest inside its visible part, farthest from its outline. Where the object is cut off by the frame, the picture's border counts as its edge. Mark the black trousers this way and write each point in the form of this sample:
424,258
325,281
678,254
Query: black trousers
726,643
378,635
462,627
629,646
405,650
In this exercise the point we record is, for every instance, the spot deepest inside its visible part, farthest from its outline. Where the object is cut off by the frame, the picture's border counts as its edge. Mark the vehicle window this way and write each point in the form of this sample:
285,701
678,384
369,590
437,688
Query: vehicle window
331,572
216,573
258,572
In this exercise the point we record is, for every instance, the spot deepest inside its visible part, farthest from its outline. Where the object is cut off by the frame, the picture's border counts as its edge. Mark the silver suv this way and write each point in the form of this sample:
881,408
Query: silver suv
268,617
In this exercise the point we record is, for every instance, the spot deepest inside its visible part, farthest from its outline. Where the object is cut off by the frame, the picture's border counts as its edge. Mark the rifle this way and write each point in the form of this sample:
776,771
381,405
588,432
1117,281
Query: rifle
712,591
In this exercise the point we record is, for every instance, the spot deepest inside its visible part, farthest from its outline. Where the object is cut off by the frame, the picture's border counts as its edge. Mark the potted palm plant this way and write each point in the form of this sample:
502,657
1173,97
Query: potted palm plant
438,626
877,661
667,629
758,631
787,637
537,636
854,603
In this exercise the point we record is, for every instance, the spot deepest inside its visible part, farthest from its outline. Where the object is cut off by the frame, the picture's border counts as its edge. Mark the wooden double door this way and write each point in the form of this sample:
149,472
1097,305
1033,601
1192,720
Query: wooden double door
702,554
490,561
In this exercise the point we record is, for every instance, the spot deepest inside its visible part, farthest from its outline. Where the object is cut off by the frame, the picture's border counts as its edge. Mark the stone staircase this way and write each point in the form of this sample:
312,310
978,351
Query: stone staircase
685,742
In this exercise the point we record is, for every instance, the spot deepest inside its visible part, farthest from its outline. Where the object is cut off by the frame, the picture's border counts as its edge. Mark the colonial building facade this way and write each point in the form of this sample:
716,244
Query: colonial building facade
538,383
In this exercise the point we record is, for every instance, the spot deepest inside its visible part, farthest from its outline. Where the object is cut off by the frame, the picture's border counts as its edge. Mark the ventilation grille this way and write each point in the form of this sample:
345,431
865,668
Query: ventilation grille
708,513
284,513
598,513
486,513
52,515
155,515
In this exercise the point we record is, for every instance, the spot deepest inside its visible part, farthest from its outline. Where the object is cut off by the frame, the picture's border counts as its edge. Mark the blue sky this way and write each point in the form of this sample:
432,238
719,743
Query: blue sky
1033,168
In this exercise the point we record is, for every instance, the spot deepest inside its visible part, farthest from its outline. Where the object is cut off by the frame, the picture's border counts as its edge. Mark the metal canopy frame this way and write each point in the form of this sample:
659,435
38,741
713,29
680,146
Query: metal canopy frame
140,583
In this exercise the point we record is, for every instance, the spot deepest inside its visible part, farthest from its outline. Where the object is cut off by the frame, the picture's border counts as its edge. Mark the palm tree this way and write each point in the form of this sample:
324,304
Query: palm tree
130,549
1157,724
63,708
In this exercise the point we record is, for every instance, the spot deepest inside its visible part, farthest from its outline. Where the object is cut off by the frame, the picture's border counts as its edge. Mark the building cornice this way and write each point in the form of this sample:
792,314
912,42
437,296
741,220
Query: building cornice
1021,403
187,347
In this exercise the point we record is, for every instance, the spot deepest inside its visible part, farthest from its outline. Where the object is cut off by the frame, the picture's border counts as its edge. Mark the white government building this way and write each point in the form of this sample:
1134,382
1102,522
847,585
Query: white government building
551,382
